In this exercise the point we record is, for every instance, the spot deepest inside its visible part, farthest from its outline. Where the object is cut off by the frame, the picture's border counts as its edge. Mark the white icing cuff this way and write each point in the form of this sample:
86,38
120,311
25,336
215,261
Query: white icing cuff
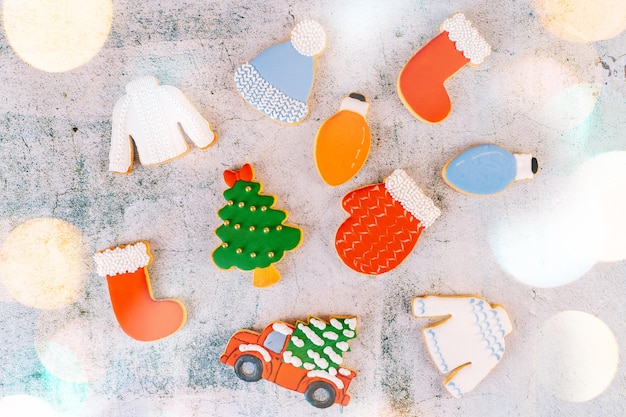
308,38
524,166
355,105
120,260
467,39
404,190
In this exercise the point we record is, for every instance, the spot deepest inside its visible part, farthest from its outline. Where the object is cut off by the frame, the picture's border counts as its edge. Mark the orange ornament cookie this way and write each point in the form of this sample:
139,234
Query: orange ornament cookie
421,81
343,141
385,223
138,313
305,358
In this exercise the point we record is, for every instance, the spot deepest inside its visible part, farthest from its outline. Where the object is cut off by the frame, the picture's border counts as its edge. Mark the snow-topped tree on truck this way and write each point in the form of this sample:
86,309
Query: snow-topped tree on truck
305,358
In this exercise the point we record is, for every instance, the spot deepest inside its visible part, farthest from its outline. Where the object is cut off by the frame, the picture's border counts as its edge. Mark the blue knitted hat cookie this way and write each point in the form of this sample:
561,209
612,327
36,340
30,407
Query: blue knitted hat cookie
278,81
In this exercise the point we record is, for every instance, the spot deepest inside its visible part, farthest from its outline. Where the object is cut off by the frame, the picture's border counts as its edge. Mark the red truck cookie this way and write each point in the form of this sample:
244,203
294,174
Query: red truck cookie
273,355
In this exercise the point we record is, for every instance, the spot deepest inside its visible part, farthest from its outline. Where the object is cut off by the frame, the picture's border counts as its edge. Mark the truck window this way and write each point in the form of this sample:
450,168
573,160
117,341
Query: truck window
275,341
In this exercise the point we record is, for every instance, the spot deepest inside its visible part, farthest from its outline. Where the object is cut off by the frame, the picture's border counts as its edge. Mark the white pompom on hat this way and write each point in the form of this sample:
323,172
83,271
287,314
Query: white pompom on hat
308,38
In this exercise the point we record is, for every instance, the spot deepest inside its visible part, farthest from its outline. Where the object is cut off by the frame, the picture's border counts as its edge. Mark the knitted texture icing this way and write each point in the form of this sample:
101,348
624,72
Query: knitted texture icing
468,343
404,190
120,260
153,115
466,38
267,98
308,38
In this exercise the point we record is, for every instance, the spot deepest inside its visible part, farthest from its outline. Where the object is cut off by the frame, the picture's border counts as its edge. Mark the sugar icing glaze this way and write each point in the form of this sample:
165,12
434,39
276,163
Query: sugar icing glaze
468,343
482,169
342,143
466,37
122,259
287,68
250,223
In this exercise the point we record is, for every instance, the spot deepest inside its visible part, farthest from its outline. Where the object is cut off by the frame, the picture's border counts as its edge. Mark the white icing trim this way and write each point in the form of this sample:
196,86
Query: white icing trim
404,190
317,323
348,333
282,328
308,38
266,98
333,355
256,348
325,375
319,361
336,324
343,346
297,341
293,360
355,105
524,166
330,335
345,372
351,322
466,38
310,334
121,260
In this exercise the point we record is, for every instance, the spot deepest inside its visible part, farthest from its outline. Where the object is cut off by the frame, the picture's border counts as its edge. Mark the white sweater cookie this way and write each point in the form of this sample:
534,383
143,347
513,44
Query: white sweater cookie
153,116
469,343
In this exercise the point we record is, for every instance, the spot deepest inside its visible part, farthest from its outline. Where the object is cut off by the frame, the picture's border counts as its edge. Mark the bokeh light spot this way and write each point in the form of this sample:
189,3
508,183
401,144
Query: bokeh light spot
603,180
25,406
577,356
43,263
60,361
57,35
71,343
571,106
547,248
582,20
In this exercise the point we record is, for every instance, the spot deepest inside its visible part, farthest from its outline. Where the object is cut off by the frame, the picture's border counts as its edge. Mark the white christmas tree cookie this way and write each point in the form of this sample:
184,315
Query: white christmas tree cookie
469,340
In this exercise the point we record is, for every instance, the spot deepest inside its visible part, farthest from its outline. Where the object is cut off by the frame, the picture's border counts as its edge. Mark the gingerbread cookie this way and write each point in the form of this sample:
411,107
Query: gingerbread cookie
278,81
140,316
385,223
253,234
342,143
153,115
469,340
305,358
421,81
487,169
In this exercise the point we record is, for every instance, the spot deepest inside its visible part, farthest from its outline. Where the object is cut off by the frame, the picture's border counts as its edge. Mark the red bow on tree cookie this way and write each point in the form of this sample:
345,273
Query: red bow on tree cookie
245,173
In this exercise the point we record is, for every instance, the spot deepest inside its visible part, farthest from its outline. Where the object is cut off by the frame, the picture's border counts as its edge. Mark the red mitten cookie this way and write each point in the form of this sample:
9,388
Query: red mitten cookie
385,223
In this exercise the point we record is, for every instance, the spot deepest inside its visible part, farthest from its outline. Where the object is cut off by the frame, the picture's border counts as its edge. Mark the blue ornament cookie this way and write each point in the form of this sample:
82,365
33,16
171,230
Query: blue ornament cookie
487,169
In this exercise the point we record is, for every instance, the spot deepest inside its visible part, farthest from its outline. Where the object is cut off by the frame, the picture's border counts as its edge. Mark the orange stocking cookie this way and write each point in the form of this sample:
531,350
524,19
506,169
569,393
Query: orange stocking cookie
385,223
421,81
138,313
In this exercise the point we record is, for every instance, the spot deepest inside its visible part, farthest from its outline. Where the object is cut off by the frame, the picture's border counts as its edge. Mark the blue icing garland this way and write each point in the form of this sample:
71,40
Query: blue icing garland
482,169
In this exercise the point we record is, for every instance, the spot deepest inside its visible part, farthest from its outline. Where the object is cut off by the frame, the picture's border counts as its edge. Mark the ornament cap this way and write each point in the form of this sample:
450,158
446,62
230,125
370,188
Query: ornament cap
527,166
355,102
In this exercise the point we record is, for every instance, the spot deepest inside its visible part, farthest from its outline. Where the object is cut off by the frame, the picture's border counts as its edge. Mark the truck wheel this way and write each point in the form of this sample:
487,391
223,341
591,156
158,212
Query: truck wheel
320,394
249,368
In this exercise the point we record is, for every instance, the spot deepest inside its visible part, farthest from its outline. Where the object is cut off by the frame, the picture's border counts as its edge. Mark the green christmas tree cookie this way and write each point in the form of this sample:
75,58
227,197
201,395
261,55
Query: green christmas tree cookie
253,234
318,345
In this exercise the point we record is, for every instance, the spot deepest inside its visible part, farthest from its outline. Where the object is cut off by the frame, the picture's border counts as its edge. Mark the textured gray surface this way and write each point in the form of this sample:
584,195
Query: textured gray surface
54,140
